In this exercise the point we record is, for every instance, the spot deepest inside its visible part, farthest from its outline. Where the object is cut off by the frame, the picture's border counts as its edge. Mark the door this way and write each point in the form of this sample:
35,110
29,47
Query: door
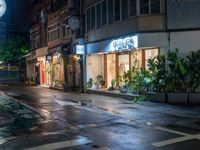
42,72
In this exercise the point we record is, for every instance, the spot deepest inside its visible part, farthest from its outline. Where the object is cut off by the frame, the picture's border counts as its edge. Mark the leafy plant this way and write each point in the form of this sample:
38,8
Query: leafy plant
194,70
141,80
90,83
12,49
178,72
100,80
157,67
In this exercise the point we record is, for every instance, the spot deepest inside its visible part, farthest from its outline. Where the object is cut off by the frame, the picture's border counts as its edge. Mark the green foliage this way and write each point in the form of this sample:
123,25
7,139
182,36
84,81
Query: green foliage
12,50
141,80
178,72
194,70
139,98
113,82
157,67
90,83
100,80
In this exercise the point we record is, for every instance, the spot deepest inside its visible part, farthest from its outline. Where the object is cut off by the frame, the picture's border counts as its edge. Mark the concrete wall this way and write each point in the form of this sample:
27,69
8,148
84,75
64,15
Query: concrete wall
185,41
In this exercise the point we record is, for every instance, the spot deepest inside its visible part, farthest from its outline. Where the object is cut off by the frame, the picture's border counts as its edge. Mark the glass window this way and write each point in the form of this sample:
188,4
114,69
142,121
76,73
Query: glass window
136,59
99,15
132,7
144,6
149,54
123,65
88,19
155,6
104,12
110,11
117,10
124,9
92,17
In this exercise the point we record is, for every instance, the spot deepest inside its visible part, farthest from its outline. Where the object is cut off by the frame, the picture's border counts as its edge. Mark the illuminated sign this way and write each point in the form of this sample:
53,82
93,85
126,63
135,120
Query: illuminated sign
48,57
125,43
80,49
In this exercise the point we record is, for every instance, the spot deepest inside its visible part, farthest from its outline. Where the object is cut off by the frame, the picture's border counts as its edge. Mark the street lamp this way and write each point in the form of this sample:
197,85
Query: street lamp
2,7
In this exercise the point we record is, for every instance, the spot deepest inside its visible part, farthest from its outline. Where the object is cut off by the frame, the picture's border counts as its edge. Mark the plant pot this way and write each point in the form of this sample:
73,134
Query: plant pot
178,98
194,98
157,97
123,89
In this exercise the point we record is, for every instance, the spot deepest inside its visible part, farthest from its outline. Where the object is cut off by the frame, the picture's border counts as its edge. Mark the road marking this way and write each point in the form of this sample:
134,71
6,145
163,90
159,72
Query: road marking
65,103
172,131
63,144
185,137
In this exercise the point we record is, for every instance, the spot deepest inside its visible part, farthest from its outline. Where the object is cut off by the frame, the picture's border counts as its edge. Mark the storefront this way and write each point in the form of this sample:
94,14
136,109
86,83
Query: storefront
41,66
31,62
74,64
55,67
111,58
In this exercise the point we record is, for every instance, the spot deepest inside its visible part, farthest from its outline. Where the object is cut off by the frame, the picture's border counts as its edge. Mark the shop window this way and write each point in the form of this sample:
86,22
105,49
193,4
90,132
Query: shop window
132,7
123,65
104,12
117,10
150,53
98,15
136,60
110,11
111,68
92,17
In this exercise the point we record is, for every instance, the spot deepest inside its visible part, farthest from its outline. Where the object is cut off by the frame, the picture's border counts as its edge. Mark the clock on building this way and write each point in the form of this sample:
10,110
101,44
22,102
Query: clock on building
73,23
2,7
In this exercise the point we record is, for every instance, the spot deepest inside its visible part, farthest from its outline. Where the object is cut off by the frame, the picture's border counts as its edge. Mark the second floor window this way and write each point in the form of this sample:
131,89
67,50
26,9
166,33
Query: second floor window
53,32
149,6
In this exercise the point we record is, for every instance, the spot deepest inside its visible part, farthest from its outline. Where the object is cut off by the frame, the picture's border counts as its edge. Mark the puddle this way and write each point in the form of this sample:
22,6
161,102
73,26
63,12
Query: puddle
24,118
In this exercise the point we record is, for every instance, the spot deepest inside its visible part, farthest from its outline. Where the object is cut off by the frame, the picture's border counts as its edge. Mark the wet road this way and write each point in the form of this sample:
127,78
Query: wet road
76,121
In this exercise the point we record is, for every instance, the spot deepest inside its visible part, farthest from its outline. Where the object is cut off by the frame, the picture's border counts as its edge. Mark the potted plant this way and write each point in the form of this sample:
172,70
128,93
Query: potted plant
157,68
90,83
117,81
100,81
141,81
112,88
122,87
194,77
177,79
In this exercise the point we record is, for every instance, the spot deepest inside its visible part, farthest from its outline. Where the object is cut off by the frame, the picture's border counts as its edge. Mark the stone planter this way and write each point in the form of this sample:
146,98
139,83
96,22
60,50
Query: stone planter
157,97
178,98
194,98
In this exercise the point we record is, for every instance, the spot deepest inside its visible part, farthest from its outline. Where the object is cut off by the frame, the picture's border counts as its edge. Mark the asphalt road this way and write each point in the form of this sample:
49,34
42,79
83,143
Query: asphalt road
76,121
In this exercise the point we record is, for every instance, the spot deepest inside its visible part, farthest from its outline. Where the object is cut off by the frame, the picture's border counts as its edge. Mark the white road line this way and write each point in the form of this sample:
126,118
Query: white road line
173,141
185,137
103,148
63,144
171,131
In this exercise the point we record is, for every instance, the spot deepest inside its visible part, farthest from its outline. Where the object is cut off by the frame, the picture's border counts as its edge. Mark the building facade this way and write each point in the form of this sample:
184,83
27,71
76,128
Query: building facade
121,35
56,43
113,36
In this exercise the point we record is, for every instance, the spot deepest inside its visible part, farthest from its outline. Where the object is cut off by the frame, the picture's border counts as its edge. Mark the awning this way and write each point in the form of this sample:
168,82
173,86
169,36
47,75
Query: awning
41,52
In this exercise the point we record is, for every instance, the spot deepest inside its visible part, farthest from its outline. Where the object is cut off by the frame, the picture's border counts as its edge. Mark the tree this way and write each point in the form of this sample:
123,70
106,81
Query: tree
12,49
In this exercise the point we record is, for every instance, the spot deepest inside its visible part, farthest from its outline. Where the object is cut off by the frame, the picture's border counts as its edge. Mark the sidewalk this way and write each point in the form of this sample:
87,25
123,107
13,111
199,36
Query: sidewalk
5,118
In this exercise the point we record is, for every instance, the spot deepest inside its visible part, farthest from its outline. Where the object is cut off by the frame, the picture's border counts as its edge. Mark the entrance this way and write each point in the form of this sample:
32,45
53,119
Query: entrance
42,65
73,71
